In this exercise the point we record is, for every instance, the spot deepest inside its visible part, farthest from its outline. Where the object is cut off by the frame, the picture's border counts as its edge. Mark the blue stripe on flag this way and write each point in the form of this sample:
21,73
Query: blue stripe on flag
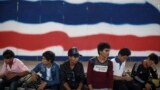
63,58
73,14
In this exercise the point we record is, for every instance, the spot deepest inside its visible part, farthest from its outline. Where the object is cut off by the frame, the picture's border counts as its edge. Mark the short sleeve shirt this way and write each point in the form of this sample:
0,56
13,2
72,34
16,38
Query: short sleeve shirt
118,68
18,66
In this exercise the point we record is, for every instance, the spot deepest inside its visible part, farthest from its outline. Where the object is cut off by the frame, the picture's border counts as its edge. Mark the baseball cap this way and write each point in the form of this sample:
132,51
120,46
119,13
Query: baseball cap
73,52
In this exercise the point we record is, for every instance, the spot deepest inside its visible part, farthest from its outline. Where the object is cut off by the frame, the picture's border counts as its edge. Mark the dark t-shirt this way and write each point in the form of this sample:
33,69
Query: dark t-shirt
72,76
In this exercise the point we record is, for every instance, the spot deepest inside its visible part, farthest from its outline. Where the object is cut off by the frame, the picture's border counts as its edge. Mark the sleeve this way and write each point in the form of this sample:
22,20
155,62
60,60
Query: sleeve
81,72
154,73
114,68
62,74
3,70
135,73
89,72
110,76
55,77
36,68
22,66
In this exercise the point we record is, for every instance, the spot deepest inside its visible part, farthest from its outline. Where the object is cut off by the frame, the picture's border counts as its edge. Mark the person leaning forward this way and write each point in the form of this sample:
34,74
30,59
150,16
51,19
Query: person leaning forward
12,70
142,71
122,80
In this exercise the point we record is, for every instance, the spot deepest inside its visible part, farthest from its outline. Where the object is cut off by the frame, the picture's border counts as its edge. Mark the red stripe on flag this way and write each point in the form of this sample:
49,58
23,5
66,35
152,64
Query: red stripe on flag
41,41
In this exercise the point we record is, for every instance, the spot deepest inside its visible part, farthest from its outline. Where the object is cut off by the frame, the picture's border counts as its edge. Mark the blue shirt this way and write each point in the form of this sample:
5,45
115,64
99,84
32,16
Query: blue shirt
41,68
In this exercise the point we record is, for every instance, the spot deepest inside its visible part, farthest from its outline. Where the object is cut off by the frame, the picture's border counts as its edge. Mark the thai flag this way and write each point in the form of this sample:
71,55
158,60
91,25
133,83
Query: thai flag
30,27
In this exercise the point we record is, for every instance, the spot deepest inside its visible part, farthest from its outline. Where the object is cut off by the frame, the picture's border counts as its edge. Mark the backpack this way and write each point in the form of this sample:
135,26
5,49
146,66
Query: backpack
28,83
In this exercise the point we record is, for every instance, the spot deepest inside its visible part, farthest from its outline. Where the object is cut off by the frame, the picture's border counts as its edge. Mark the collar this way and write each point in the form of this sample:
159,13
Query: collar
118,61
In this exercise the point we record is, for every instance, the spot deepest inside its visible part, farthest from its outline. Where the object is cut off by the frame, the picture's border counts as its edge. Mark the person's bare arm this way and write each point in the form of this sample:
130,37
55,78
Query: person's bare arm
127,78
10,74
34,76
1,75
66,86
80,86
118,77
42,85
22,74
90,87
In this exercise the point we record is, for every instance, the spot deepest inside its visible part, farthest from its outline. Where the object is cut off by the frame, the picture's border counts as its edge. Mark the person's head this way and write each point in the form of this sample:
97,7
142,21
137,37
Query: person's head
103,49
48,57
73,55
123,54
152,59
8,56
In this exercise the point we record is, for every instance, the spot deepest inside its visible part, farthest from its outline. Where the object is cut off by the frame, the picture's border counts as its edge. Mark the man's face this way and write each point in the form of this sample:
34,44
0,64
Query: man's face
73,59
45,61
123,58
8,61
150,63
105,52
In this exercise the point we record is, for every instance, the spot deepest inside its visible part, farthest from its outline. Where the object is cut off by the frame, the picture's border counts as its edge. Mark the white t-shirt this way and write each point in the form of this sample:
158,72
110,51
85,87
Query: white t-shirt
118,68
49,77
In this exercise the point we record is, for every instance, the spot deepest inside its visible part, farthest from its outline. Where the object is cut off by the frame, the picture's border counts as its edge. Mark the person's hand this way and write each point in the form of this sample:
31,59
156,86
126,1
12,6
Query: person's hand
79,88
154,67
90,87
128,78
42,86
34,76
10,75
147,86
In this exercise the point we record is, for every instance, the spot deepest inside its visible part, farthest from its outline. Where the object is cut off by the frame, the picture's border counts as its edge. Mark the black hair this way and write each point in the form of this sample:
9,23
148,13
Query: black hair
8,54
154,58
101,46
124,52
49,55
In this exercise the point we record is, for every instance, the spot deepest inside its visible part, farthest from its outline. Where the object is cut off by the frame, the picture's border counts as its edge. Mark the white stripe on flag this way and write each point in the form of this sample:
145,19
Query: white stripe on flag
82,30
59,51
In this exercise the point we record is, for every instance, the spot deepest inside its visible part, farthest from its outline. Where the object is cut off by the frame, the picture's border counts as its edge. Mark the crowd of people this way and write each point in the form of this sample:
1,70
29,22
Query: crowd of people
102,73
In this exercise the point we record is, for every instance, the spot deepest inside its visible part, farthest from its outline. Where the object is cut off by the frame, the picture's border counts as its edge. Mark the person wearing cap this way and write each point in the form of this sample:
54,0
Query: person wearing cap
143,71
12,70
122,80
100,69
49,71
72,71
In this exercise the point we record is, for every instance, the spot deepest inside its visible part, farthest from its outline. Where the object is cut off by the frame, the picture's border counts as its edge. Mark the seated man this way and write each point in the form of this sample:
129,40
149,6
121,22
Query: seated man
100,69
142,71
49,71
121,82
72,72
12,70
